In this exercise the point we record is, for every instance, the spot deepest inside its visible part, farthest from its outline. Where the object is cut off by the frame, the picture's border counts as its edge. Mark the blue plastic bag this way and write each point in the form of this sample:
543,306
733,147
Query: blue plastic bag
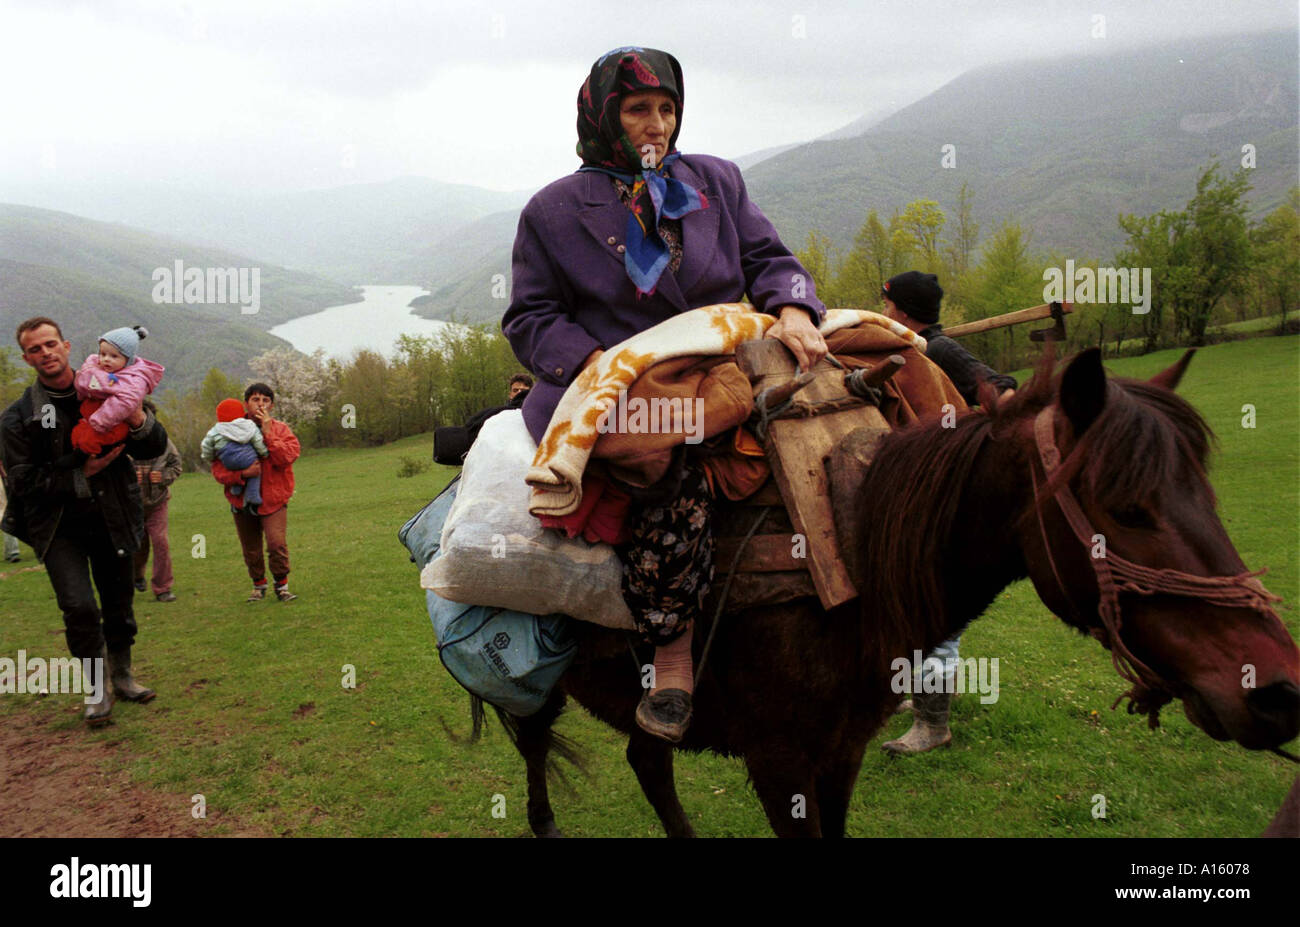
511,659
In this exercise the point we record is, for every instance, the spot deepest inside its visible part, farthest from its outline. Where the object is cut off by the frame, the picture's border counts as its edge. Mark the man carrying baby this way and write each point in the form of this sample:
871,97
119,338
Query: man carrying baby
82,516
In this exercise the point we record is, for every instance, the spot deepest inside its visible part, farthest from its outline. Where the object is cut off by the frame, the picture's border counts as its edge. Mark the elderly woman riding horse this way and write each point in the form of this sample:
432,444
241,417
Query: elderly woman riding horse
640,233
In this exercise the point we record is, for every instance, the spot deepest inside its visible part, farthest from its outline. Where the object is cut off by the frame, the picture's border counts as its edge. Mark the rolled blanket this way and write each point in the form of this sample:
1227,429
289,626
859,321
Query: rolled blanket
556,473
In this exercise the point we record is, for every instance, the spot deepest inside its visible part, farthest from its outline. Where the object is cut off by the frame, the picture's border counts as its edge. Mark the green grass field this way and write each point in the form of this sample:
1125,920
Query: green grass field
252,712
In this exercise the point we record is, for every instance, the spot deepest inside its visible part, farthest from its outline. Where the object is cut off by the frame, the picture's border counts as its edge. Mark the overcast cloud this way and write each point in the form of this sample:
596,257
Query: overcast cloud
248,95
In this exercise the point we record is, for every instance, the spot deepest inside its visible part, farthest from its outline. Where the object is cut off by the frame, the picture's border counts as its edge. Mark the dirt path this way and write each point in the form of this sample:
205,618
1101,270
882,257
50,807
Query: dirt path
60,783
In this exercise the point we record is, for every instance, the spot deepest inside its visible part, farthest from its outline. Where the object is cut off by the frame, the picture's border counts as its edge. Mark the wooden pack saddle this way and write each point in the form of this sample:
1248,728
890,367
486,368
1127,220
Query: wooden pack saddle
818,439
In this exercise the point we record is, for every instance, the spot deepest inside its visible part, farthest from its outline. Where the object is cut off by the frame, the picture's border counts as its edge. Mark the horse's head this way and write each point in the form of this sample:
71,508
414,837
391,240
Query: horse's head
1123,542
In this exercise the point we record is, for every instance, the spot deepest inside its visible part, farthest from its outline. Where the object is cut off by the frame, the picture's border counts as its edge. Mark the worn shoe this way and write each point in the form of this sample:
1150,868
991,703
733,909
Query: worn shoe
929,725
124,686
166,596
666,714
139,585
12,558
258,594
99,713
283,594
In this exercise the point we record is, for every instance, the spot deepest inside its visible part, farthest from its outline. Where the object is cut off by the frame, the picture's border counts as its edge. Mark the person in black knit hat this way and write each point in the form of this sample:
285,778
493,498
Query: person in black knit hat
913,298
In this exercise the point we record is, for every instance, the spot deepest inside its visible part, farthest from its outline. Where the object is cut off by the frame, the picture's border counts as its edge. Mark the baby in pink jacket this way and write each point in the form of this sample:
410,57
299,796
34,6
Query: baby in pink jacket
111,385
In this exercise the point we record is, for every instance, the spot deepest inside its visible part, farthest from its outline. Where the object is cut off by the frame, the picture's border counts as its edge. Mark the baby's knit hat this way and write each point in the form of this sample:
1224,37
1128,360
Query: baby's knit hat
229,409
126,340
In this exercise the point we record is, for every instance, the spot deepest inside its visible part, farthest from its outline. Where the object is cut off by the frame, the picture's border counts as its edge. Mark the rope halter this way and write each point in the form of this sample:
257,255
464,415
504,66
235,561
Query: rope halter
1149,691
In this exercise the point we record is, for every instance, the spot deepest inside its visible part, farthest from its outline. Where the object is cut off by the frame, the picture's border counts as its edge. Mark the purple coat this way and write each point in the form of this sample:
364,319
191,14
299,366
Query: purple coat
571,293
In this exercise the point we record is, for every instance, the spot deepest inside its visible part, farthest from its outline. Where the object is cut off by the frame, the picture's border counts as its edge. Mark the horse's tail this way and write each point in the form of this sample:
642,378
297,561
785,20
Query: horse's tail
536,734
477,718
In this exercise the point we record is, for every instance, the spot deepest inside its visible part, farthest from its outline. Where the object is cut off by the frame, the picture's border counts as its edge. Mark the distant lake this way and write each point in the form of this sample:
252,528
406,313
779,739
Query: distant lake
375,322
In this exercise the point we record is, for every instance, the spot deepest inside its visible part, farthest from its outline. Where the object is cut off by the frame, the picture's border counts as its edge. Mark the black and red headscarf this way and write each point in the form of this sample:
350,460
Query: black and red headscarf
605,147
601,140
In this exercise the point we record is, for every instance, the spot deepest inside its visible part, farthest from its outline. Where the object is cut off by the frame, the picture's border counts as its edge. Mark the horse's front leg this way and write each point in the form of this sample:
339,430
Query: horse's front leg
652,761
789,795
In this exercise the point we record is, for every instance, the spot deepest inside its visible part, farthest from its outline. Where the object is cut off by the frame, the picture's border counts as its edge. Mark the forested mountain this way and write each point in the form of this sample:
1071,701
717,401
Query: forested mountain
186,342
356,234
127,257
1061,146
93,276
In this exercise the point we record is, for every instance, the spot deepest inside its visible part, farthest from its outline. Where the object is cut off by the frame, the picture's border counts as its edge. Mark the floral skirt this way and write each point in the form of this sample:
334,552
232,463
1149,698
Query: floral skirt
668,563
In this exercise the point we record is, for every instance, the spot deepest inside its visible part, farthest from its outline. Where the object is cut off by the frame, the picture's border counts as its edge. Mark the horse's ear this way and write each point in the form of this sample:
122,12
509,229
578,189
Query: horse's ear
1083,390
1171,376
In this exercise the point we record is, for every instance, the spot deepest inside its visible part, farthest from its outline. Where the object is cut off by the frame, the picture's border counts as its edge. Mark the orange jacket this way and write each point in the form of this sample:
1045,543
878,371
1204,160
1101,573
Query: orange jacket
277,469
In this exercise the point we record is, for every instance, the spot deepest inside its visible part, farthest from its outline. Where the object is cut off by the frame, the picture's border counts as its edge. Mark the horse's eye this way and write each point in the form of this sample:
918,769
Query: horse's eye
1133,516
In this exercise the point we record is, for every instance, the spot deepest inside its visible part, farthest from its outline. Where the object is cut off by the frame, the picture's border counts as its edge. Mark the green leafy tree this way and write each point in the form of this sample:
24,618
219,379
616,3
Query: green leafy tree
958,276
479,366
820,258
1104,325
918,231
1197,256
187,419
878,252
217,386
1218,249
1275,265
377,395
1155,241
965,235
188,416
427,367
1008,278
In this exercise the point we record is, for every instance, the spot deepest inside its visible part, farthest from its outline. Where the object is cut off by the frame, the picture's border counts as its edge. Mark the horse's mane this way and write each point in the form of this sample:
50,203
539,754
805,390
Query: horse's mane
915,483
1141,441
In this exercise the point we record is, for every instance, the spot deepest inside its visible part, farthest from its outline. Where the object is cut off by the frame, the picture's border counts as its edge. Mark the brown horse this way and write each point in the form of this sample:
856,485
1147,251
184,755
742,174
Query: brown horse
798,692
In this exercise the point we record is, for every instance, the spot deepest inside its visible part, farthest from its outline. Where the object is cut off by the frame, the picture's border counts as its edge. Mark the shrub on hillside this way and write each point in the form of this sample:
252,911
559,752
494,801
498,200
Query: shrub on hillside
412,466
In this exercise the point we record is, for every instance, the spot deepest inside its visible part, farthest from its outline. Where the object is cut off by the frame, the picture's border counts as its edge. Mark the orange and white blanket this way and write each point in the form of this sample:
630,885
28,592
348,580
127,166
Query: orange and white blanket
556,473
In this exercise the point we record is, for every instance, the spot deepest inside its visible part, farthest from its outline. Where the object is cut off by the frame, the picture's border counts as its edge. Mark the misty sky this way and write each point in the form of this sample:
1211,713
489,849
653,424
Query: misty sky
261,96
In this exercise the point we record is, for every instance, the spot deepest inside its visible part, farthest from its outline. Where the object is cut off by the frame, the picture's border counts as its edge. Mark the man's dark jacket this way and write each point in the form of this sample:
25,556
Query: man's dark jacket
962,367
44,475
452,443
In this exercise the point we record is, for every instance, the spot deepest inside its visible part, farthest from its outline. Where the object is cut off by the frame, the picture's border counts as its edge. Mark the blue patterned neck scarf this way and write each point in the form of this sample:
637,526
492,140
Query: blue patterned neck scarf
647,253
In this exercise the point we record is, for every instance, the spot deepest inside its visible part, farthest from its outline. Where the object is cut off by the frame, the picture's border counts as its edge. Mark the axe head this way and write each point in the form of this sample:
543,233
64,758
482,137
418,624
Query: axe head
1056,332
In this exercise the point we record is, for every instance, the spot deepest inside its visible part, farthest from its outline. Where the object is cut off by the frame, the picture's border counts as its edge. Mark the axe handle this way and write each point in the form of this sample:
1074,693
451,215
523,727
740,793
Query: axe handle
1031,314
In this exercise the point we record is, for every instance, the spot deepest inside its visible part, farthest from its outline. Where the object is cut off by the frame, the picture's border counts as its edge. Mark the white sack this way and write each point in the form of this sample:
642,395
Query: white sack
541,571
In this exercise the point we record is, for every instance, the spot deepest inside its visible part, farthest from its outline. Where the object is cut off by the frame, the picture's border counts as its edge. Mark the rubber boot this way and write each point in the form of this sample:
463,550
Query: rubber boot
119,662
98,713
929,725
